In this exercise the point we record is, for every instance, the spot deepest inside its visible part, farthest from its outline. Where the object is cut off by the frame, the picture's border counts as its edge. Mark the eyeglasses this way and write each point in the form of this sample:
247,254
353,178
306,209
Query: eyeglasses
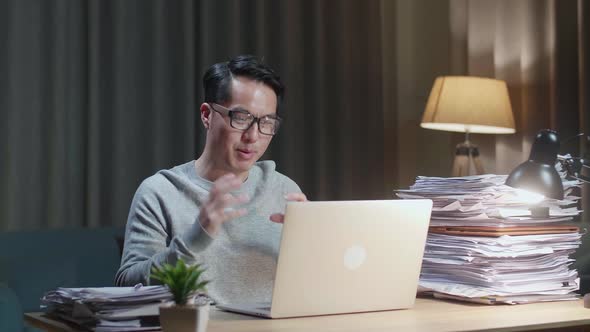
242,120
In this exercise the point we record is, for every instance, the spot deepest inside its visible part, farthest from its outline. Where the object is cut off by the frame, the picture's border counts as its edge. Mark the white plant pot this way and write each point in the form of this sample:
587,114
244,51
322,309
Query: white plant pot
184,318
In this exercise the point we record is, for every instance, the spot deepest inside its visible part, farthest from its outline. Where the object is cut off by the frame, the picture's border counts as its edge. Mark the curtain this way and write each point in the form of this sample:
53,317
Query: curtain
95,96
542,50
98,95
538,48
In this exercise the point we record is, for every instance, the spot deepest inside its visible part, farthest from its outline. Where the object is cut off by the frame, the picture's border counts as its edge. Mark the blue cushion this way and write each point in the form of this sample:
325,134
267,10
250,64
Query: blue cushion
10,310
31,263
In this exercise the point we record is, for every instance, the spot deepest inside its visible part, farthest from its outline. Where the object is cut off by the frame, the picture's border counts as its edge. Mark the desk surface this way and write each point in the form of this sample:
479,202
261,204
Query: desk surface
427,315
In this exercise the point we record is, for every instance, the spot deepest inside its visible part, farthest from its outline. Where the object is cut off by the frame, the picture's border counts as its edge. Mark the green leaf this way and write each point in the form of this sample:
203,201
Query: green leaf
181,279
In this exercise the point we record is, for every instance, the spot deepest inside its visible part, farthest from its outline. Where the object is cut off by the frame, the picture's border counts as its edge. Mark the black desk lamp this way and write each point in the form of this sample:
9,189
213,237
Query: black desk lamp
538,174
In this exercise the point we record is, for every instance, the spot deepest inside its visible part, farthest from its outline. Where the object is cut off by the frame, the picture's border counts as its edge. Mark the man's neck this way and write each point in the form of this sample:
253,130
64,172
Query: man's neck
207,170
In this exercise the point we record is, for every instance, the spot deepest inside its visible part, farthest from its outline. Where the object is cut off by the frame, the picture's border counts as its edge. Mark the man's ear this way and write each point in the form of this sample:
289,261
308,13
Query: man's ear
205,115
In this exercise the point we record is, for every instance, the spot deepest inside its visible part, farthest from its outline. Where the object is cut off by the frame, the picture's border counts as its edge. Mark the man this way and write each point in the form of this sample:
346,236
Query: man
218,209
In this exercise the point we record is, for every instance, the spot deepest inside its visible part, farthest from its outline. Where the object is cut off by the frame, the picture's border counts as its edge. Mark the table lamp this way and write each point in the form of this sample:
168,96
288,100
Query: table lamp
538,174
468,104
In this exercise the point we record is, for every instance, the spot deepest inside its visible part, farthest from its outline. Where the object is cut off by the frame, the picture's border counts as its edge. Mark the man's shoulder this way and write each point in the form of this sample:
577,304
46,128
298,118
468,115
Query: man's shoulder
267,169
266,166
165,178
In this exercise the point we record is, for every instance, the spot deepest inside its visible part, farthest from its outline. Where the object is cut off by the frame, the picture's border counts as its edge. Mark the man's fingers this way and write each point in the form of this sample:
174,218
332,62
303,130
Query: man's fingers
225,184
230,213
212,219
241,199
229,200
227,203
298,197
278,218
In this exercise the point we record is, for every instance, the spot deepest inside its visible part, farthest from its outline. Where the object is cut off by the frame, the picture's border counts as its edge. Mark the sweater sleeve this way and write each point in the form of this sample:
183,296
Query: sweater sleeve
147,240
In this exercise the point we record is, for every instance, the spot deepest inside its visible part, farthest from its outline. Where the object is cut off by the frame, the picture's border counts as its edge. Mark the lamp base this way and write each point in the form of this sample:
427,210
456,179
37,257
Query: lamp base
465,153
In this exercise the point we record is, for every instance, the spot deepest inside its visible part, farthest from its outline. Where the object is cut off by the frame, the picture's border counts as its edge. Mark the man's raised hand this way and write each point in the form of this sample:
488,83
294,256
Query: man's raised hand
219,208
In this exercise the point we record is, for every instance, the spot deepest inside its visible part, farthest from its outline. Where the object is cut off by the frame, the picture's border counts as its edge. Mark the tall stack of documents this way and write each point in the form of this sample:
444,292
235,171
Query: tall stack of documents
108,308
485,246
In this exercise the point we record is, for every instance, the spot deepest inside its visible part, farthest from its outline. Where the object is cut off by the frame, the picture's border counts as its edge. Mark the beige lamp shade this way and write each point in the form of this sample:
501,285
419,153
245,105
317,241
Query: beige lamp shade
469,104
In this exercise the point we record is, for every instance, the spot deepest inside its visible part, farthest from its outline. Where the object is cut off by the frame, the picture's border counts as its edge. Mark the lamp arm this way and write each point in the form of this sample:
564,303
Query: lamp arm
576,168
575,136
581,177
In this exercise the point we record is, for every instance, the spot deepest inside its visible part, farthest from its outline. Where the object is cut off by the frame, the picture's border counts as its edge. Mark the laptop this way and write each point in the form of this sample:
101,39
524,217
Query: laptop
340,257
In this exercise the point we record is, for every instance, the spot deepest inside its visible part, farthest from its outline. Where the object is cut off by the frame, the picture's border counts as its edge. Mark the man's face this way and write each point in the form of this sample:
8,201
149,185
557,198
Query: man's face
235,150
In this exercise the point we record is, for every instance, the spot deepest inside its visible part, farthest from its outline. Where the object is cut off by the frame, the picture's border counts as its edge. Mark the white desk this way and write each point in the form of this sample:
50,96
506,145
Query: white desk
427,315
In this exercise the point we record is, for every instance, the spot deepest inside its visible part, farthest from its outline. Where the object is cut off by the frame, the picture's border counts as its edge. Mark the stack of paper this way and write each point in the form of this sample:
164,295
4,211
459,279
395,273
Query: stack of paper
108,308
484,245
484,200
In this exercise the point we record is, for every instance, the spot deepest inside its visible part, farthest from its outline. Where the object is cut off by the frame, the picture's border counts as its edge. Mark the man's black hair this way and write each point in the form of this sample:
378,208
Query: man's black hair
217,80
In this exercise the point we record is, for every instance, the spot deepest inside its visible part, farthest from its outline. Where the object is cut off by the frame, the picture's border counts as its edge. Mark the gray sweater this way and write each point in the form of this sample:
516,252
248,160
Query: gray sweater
163,226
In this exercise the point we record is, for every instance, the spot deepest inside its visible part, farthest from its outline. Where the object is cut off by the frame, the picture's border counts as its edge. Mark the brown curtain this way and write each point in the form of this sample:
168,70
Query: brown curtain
98,95
542,50
539,48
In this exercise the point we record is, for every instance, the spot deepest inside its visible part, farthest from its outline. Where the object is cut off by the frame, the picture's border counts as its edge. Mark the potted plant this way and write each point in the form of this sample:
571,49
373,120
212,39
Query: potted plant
185,314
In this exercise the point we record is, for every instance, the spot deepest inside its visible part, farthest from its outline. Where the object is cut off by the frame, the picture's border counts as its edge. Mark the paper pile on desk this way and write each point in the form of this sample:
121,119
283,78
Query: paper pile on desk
108,308
484,200
484,245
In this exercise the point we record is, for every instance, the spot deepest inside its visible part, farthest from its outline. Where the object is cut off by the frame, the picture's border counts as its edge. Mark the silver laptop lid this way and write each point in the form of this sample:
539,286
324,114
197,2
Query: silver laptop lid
349,256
